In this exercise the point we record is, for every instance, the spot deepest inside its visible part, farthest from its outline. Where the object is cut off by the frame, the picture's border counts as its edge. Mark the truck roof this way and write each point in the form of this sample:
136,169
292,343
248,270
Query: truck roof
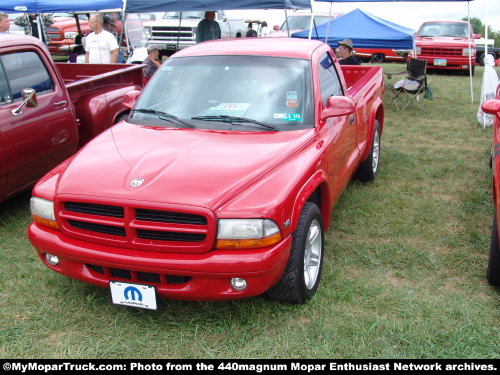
281,47
8,40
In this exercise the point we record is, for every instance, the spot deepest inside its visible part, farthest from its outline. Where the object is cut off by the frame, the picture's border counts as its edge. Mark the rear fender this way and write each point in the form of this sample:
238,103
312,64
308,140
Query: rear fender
376,113
319,179
98,111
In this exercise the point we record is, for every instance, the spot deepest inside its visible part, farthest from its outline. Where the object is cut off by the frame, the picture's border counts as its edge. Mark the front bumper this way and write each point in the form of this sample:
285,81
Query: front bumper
178,276
452,62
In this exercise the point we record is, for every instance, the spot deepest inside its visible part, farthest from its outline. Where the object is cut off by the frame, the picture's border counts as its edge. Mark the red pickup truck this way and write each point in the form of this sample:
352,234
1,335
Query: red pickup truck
492,107
447,45
47,110
221,182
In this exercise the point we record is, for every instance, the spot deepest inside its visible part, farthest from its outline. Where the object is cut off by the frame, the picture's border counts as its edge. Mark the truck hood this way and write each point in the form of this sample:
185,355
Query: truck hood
443,42
179,166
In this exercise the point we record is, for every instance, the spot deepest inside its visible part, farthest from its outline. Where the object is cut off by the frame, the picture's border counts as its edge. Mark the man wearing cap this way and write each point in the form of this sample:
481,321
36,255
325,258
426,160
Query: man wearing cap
344,53
152,62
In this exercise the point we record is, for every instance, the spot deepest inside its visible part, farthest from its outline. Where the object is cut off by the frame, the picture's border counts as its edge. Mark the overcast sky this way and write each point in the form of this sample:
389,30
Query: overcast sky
409,14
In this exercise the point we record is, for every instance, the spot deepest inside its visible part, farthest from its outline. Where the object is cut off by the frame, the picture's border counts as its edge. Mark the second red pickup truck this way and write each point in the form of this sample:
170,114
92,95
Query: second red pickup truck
221,182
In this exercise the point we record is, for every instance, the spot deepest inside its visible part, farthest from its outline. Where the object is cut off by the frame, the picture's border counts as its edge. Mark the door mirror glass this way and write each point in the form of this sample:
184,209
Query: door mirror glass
338,106
29,96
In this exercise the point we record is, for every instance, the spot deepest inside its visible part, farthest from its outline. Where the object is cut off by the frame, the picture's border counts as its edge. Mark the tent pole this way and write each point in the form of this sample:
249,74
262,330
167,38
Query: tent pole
470,57
328,26
311,24
286,21
179,31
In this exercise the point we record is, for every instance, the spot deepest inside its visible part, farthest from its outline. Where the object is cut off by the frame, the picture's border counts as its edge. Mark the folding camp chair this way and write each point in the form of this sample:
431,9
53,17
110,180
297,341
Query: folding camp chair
413,87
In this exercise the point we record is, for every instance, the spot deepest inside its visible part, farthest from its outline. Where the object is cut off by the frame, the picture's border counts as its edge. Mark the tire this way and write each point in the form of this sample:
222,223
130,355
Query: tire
493,270
301,277
377,57
368,169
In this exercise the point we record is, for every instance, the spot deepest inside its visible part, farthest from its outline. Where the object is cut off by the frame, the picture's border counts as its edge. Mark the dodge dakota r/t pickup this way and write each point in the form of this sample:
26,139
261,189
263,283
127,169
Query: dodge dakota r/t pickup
221,182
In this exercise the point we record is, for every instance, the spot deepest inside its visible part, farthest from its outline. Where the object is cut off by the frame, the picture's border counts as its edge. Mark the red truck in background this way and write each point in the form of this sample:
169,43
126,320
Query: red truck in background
47,110
220,183
492,107
447,45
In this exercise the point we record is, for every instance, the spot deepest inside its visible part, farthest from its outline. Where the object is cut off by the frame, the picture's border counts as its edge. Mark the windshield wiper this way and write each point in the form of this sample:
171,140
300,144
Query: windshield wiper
165,116
232,119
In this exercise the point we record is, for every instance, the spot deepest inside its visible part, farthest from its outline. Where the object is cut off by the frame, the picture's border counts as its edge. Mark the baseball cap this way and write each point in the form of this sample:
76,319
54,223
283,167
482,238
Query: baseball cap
346,42
152,47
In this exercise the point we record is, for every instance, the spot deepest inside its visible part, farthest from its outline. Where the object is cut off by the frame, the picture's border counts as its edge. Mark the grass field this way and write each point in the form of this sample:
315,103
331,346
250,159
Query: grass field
404,272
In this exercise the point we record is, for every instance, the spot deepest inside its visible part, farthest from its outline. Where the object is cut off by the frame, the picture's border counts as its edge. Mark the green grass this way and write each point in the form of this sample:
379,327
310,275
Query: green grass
404,272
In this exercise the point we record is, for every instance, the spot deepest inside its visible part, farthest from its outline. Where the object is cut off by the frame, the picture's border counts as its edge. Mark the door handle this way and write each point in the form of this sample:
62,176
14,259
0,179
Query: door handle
61,103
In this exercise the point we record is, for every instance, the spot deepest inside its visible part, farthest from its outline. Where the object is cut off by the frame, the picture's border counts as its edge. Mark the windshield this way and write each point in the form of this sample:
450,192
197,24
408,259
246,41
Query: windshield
269,90
186,15
450,29
303,22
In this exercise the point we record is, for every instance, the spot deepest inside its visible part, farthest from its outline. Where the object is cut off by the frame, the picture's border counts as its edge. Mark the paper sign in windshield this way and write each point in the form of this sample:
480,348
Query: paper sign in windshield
228,109
288,116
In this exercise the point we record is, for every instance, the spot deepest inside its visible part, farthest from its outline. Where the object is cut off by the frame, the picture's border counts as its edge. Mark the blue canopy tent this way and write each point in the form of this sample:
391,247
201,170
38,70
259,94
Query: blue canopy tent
138,6
365,30
56,6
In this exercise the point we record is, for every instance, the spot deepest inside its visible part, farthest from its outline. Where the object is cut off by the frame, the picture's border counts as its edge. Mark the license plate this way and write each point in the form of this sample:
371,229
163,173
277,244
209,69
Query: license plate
440,62
134,295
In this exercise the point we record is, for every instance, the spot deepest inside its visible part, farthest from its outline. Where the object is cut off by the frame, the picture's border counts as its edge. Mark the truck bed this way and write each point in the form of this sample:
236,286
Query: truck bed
362,80
82,79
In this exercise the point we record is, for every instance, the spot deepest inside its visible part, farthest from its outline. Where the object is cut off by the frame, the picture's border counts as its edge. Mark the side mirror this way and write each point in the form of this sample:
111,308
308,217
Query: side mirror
130,98
338,106
491,107
276,27
29,100
477,36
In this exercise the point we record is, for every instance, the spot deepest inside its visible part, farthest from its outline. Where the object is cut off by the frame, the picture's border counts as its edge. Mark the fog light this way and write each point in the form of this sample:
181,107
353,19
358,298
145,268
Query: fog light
53,260
238,284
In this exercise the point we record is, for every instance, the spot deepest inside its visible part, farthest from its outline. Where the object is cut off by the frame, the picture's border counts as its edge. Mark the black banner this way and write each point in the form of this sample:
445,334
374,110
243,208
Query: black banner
254,366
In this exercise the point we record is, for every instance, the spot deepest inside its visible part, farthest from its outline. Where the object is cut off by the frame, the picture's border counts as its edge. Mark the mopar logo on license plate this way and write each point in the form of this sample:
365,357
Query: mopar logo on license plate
440,62
135,295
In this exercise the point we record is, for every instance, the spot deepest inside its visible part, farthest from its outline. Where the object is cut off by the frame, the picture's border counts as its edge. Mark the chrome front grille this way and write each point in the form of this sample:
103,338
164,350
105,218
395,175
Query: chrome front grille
429,51
141,228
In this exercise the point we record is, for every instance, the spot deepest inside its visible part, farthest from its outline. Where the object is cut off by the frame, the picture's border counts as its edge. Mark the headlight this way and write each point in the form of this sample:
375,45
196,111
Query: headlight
147,32
70,35
42,211
247,233
418,50
194,33
467,51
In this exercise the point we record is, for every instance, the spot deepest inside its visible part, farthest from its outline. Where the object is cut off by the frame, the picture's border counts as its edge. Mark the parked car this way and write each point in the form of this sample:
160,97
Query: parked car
300,20
47,110
221,183
378,55
447,45
492,107
481,50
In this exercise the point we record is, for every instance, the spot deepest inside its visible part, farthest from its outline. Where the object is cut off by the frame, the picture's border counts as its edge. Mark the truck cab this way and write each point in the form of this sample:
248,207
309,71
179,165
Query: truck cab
447,45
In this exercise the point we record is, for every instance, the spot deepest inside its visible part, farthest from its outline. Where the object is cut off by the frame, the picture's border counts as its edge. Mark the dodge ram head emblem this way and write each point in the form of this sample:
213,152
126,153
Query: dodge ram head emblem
136,182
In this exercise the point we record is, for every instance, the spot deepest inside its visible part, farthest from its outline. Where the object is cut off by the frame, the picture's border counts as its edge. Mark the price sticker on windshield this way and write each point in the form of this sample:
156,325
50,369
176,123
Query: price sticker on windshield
228,109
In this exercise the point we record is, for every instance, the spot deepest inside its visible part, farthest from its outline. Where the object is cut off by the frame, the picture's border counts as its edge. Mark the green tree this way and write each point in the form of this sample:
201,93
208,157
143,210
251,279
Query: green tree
479,28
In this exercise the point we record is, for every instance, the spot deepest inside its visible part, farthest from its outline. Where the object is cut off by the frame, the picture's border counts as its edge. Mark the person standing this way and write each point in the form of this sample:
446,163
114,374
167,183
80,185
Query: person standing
264,30
344,53
152,63
101,46
251,33
208,28
4,23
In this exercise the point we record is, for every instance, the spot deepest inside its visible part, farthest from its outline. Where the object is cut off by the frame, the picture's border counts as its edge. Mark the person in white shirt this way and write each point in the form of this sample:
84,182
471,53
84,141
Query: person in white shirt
4,23
101,46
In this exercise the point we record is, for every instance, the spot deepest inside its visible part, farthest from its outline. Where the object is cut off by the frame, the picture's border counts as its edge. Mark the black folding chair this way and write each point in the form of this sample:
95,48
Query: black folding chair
412,88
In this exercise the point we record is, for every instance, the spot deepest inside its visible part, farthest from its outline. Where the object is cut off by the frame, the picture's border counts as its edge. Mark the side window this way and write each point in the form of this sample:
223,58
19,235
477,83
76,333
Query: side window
26,70
4,88
329,79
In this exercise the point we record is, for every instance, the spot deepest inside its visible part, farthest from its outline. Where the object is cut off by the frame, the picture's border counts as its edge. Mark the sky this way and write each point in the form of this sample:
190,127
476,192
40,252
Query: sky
409,14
